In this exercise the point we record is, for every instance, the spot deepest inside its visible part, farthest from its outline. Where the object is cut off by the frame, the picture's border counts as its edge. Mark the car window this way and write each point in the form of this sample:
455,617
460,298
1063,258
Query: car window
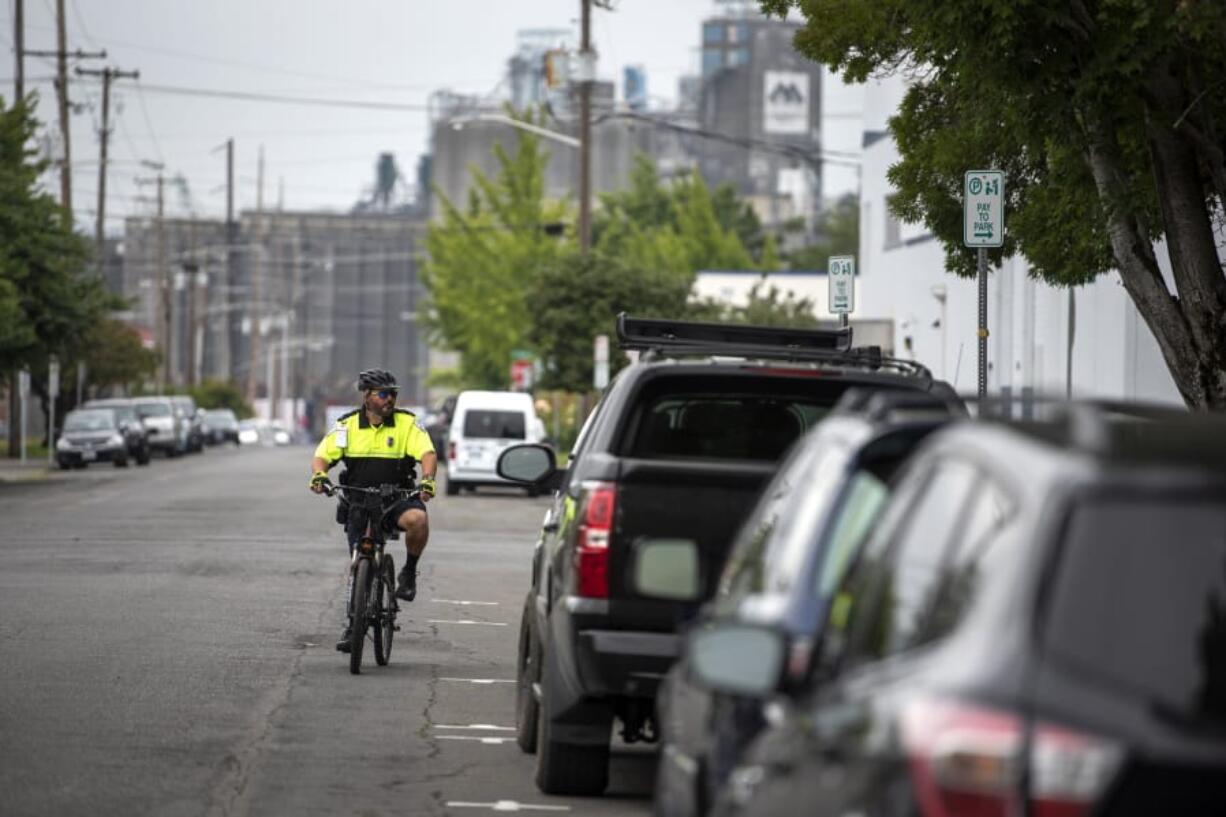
860,506
977,555
1139,602
496,425
90,420
721,426
754,563
890,617
153,409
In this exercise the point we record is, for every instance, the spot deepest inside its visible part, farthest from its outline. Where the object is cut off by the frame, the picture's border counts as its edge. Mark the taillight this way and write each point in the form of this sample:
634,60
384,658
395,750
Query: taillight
592,539
450,450
966,761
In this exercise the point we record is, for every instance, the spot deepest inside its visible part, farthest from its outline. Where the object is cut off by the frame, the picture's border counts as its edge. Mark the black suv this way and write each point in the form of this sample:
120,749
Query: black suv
679,446
782,571
1036,626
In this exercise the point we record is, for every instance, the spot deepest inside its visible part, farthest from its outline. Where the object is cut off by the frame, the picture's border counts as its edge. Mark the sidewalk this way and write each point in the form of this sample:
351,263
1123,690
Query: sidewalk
34,470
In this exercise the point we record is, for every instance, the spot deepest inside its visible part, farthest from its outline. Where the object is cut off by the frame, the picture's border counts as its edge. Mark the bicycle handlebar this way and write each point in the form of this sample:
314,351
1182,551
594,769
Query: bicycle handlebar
382,490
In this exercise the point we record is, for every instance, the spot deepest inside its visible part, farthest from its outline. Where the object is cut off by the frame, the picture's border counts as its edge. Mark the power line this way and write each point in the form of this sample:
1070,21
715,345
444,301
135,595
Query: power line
249,96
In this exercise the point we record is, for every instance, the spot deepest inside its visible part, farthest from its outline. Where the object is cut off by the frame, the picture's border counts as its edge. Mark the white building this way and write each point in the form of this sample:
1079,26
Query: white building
935,313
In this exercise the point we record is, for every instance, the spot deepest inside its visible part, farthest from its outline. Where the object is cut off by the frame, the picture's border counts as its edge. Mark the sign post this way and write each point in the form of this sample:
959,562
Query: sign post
23,396
983,226
841,279
53,391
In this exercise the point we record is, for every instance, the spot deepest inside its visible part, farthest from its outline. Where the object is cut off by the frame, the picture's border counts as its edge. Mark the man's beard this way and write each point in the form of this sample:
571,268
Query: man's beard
384,412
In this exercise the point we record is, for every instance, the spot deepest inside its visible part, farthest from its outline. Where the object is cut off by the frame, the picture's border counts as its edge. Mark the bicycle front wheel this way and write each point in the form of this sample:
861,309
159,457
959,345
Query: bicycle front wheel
383,611
361,593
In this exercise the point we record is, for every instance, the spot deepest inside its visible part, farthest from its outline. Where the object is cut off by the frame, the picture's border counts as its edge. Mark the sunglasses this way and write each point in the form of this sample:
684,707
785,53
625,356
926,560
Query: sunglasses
384,394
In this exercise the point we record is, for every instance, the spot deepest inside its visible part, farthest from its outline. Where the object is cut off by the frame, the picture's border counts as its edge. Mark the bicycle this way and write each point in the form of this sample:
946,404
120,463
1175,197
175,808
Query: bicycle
372,604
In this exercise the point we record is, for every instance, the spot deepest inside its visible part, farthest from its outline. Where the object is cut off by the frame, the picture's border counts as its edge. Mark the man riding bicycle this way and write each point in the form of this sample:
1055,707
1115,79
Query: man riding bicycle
381,444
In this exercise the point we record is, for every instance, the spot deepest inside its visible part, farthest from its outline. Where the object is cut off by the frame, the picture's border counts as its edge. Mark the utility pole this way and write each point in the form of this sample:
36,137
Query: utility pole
587,75
223,365
19,37
61,89
108,76
259,183
162,309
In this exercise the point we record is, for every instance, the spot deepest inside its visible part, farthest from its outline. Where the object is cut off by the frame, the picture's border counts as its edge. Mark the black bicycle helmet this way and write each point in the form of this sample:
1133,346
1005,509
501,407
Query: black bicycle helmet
375,379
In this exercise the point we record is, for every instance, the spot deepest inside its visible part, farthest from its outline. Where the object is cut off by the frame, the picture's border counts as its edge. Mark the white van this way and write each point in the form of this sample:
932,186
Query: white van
483,425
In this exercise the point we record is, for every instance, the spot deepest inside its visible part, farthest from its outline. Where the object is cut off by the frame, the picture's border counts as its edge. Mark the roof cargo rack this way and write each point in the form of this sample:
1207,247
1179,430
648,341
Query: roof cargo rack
664,338
661,334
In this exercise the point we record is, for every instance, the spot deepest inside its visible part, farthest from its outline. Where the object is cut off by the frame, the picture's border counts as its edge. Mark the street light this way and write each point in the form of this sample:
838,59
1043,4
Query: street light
544,133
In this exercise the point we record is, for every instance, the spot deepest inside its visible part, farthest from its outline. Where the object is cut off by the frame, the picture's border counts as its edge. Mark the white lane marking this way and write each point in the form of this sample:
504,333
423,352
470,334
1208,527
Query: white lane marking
466,603
506,805
466,621
485,726
478,738
479,680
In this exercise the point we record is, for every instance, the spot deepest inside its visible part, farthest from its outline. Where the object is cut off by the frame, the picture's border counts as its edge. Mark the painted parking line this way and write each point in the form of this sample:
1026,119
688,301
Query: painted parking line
506,805
466,603
480,680
482,726
477,738
466,621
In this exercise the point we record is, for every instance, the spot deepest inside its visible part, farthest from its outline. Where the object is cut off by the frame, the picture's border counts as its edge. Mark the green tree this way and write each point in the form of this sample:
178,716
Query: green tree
484,257
48,304
838,231
1107,117
578,297
218,394
115,356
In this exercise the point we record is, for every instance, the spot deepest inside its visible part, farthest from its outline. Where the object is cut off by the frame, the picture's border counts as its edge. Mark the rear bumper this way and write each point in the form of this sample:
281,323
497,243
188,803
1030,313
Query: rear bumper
74,456
624,662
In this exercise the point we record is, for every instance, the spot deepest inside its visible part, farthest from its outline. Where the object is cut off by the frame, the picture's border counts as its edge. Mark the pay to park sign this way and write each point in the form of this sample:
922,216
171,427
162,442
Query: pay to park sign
983,208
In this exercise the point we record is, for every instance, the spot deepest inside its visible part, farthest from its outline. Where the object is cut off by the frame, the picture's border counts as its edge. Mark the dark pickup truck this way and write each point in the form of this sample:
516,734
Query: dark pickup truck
679,447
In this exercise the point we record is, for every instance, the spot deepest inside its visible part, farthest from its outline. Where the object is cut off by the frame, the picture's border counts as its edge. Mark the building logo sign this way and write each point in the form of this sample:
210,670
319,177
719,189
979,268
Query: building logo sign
785,108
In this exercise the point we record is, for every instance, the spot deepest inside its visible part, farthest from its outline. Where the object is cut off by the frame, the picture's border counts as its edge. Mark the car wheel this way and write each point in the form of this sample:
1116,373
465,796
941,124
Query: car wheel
527,675
121,462
63,464
142,456
453,488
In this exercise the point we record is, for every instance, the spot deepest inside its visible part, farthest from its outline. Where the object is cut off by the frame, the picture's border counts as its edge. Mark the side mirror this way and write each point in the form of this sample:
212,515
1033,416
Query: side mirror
531,464
667,569
735,658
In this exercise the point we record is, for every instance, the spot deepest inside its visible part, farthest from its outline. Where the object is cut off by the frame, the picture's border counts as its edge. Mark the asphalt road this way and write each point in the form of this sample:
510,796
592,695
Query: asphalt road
167,648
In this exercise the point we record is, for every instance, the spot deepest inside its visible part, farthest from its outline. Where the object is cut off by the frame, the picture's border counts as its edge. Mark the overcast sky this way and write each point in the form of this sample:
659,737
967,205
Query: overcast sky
379,51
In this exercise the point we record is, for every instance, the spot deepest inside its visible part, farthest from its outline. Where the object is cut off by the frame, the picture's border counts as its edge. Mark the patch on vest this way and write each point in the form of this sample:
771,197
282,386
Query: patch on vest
391,441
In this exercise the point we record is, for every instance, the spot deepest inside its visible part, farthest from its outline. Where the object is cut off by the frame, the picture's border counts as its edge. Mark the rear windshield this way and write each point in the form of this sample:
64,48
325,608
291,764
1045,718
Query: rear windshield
1140,602
496,425
90,420
723,426
152,409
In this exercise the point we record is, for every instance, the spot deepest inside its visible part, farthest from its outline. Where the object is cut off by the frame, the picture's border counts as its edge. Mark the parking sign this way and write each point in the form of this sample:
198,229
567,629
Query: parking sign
983,208
841,275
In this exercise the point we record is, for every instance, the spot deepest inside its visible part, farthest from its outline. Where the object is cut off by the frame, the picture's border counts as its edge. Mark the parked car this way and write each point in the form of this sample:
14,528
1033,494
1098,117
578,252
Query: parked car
95,435
249,432
483,425
1037,626
783,568
164,424
193,418
679,446
134,431
220,426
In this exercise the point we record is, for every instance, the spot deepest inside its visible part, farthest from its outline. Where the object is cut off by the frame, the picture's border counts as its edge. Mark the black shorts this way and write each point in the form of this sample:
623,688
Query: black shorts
357,526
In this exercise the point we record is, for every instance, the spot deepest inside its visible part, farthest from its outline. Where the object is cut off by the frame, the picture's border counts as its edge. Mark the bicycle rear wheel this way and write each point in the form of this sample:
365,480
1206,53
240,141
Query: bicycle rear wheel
361,592
384,617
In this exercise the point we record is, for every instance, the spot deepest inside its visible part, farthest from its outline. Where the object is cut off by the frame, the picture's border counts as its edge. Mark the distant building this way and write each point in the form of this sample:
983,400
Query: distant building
309,298
756,86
